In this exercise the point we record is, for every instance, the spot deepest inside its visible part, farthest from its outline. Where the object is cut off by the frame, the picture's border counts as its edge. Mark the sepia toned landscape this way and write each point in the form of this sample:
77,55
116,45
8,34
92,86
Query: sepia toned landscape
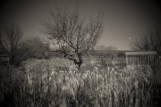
80,53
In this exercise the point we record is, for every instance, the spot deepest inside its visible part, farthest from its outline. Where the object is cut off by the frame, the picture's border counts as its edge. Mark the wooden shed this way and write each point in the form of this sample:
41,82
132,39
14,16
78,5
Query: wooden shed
134,59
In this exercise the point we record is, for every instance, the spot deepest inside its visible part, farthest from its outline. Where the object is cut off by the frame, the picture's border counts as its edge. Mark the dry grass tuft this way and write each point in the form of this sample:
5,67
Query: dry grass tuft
43,84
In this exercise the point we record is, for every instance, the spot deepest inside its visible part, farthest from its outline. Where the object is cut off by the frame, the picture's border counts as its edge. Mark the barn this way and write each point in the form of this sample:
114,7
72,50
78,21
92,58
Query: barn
135,59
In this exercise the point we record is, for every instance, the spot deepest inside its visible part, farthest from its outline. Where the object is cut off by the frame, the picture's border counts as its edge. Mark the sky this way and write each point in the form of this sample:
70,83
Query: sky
124,20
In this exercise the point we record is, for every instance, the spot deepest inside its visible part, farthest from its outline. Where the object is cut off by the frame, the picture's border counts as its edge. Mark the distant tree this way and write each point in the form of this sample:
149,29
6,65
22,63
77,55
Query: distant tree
149,41
121,54
100,47
108,51
112,51
10,39
75,37
33,48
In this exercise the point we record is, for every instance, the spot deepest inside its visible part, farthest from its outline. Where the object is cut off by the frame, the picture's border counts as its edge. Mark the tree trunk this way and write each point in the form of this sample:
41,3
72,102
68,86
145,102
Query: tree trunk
79,66
80,61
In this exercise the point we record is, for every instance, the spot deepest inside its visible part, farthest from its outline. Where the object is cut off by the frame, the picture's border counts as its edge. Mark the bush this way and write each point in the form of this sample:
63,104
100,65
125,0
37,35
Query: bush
33,48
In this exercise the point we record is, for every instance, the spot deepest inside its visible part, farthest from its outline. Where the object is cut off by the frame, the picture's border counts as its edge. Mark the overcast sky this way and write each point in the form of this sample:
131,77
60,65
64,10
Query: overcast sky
123,21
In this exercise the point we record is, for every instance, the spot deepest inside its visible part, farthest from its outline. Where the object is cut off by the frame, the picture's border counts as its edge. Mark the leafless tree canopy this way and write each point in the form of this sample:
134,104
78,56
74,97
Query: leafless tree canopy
150,41
10,39
74,36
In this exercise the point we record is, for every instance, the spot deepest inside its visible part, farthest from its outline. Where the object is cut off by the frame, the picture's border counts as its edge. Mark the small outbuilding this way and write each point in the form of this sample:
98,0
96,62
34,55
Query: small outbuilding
4,66
134,59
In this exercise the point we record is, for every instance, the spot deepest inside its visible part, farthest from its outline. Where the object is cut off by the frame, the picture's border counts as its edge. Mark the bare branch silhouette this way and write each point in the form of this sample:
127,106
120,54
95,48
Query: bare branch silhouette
74,36
10,39
150,41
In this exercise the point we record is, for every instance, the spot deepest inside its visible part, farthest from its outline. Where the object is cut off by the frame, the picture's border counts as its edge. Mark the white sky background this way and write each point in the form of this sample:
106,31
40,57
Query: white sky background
123,19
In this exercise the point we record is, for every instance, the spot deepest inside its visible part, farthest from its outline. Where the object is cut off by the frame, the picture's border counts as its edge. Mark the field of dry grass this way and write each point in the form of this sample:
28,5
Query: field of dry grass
57,83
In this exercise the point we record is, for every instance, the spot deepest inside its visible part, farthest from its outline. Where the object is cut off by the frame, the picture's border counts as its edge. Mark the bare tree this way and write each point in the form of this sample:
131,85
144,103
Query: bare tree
10,39
75,37
150,41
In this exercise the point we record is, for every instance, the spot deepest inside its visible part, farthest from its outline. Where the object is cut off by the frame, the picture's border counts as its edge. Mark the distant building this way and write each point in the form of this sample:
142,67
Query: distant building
4,55
134,59
4,65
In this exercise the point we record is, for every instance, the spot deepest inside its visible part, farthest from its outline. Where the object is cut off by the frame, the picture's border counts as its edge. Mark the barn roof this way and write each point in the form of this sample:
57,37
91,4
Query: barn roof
141,53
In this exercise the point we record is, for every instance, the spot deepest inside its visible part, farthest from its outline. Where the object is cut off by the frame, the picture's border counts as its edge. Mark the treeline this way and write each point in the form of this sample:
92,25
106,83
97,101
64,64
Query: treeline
18,49
107,54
